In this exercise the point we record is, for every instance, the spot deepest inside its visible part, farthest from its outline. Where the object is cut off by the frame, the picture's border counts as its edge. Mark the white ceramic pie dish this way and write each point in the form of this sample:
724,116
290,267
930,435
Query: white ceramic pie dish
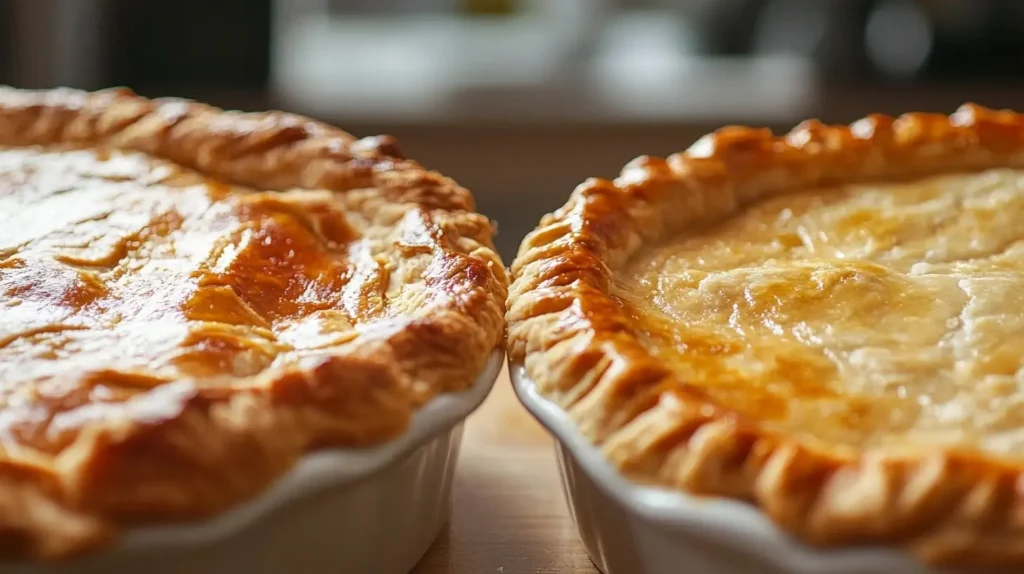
628,528
339,510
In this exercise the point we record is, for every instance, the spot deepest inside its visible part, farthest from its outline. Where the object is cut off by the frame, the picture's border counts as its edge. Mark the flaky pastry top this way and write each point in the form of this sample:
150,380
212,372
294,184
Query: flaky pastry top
872,315
190,299
823,323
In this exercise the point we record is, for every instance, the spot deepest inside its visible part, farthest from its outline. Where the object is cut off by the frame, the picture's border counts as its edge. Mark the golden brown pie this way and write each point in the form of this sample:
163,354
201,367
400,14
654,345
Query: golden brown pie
827,324
190,299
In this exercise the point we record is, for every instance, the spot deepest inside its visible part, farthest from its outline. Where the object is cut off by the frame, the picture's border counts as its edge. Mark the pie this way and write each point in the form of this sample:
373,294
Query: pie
191,299
828,325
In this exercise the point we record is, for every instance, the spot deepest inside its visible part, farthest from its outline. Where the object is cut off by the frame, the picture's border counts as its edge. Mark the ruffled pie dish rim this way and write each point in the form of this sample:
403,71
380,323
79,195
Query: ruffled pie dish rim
946,507
727,535
333,479
331,468
211,451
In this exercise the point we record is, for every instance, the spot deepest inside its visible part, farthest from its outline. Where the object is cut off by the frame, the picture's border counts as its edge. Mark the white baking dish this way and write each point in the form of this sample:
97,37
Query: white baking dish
373,510
628,528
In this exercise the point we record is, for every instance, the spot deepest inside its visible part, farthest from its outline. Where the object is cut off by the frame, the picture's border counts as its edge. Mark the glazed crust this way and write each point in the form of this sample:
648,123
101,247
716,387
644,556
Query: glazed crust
576,343
209,448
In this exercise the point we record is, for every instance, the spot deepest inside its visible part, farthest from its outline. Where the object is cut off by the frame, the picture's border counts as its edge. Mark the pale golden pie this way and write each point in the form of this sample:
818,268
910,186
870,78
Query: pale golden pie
827,324
191,299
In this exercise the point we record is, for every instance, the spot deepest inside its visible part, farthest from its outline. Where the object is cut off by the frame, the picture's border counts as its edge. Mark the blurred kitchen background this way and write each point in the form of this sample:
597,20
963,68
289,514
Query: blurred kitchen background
520,100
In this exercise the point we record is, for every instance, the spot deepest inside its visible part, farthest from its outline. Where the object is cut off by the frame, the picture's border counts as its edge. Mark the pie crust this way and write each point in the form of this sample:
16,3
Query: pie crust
615,297
191,299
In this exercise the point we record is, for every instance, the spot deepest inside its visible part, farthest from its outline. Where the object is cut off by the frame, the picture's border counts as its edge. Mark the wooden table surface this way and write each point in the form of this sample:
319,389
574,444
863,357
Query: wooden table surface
508,513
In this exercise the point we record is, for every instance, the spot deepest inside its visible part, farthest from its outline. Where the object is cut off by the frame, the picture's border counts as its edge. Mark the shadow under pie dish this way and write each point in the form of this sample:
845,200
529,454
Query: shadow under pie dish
192,300
817,332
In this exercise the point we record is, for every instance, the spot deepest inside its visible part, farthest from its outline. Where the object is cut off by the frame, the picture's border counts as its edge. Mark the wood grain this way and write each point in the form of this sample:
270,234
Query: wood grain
508,513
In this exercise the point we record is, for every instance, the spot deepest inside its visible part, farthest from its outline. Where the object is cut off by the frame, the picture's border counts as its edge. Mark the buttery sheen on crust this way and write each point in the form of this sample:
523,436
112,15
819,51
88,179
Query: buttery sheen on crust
827,324
190,299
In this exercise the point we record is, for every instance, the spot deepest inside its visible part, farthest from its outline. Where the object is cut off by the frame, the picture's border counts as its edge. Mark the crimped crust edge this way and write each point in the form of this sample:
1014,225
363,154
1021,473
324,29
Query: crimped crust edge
946,507
211,451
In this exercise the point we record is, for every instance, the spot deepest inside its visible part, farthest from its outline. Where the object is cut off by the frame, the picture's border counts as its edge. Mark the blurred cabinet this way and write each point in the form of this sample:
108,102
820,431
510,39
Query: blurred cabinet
185,47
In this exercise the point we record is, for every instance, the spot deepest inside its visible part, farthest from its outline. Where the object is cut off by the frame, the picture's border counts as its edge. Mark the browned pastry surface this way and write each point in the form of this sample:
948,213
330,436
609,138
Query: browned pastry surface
827,324
190,299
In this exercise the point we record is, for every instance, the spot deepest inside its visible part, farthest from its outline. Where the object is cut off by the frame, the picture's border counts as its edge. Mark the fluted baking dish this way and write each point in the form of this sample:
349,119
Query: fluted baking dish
339,510
629,528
